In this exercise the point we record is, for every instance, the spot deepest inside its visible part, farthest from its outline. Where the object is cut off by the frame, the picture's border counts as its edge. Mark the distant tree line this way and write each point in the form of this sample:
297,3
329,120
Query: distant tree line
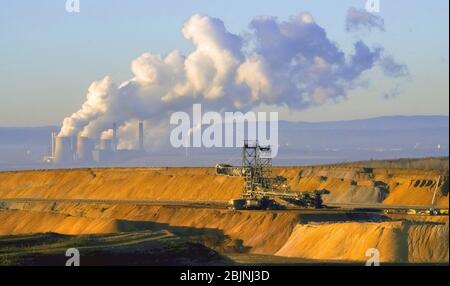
428,163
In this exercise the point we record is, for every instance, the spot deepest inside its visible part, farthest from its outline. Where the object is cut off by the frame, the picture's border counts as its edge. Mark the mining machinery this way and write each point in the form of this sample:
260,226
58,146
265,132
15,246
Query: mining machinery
261,189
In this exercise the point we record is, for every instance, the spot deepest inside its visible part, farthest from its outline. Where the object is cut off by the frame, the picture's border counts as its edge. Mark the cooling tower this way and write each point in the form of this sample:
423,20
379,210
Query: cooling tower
54,134
63,153
84,149
106,144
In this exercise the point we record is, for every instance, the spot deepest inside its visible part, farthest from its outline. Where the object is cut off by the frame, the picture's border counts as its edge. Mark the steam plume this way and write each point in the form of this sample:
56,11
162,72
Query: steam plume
286,63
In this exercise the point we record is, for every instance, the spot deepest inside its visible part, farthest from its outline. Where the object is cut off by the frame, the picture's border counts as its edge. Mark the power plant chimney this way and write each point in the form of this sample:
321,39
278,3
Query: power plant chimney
53,144
114,139
141,135
63,150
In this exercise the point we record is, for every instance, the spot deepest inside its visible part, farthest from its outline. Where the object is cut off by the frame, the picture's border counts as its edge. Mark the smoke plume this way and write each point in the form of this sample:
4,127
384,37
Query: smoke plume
359,18
289,63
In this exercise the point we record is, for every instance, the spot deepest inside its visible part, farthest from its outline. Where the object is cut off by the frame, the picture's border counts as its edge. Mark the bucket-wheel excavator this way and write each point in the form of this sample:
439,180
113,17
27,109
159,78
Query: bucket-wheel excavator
261,189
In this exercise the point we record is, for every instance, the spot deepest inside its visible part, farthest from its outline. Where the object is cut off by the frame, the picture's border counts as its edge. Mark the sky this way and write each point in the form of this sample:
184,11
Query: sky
49,58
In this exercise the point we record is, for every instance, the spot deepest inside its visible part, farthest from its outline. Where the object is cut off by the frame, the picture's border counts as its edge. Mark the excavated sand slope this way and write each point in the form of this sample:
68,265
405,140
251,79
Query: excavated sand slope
360,185
282,233
347,185
121,184
264,232
395,241
25,222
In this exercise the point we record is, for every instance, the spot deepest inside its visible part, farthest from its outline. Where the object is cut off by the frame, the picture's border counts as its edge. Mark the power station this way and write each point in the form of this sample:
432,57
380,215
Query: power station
68,150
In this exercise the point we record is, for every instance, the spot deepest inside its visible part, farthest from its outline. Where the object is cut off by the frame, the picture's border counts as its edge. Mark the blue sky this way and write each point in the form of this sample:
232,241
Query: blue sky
49,57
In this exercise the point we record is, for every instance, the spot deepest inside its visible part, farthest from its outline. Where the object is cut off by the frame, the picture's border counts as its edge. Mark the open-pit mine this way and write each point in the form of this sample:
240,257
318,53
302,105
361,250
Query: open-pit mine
182,216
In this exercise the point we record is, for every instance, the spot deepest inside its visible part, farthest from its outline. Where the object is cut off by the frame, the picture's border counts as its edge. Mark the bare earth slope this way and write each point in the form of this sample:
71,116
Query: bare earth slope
312,235
396,241
346,184
23,222
309,235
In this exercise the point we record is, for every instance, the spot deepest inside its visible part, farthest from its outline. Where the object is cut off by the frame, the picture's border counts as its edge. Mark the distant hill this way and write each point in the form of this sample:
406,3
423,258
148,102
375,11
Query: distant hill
378,123
301,143
391,132
26,135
